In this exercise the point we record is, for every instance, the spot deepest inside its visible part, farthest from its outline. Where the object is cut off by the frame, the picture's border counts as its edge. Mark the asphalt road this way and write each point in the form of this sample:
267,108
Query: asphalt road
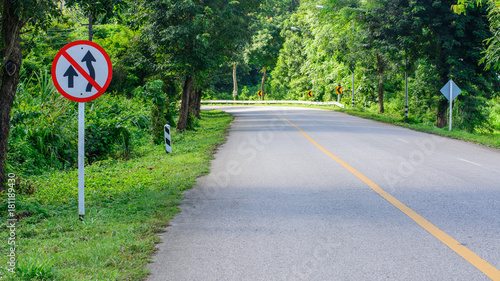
327,196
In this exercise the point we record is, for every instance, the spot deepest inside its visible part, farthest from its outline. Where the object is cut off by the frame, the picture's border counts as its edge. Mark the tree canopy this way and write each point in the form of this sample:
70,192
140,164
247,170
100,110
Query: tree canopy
194,49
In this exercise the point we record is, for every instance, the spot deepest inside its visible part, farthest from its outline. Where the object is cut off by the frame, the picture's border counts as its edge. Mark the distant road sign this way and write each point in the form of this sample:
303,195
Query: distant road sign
339,90
454,90
451,91
82,71
259,93
310,94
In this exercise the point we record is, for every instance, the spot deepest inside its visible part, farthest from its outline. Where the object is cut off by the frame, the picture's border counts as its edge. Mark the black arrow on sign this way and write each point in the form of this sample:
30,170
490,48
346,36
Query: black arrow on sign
89,58
71,73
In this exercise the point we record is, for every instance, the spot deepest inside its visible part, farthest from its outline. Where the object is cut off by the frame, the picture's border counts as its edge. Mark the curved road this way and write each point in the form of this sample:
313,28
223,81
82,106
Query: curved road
305,194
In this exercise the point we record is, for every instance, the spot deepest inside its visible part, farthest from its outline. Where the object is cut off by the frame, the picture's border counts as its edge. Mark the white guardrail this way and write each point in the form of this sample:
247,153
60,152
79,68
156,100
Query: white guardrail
272,102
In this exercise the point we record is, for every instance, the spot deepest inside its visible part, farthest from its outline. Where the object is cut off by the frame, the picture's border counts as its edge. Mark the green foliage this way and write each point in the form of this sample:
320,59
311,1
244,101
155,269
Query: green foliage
33,15
348,36
41,47
193,122
492,54
471,114
205,33
266,44
131,65
44,127
153,93
106,132
102,11
42,132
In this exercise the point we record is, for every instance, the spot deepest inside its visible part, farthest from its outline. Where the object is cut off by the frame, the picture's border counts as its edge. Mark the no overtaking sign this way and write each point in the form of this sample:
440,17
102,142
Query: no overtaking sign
82,71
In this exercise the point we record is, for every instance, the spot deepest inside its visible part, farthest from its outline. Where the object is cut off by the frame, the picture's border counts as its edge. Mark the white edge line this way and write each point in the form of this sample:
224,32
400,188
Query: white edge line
469,162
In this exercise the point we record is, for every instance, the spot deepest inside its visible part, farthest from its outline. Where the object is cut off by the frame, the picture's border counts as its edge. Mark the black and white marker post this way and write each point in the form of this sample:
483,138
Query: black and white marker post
168,139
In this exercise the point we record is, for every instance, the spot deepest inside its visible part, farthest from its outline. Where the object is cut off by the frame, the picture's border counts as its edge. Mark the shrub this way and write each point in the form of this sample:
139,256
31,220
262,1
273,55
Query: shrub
44,131
111,121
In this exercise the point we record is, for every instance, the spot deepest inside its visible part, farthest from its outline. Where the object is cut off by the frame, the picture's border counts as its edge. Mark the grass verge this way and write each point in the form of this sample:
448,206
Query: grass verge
127,204
490,139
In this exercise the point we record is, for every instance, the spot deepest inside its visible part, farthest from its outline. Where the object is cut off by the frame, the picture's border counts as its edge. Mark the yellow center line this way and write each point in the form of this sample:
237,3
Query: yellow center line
453,244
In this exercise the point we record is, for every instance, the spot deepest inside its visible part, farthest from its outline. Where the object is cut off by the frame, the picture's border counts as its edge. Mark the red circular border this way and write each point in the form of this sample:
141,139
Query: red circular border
58,56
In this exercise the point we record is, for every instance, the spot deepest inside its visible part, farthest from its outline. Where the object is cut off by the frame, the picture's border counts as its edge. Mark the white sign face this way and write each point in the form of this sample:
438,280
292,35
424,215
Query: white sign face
82,71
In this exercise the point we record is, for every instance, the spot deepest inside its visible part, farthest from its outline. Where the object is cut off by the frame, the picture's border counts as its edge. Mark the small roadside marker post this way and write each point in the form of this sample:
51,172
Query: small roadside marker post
168,139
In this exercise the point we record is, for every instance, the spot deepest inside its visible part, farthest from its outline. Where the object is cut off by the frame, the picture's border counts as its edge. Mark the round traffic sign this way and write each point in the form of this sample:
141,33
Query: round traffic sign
82,71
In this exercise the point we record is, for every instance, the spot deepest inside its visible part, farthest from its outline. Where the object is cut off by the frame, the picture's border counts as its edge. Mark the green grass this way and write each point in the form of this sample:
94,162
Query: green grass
127,204
491,139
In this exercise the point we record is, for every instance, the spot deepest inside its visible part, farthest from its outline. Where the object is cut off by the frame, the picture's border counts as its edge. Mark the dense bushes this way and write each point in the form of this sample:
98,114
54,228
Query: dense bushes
111,123
160,98
44,127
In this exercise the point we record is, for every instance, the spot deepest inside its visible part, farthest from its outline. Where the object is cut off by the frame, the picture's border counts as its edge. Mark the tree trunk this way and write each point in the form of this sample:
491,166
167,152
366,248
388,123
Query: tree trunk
442,106
192,100
263,82
380,70
91,28
380,94
441,115
195,103
184,110
235,81
12,56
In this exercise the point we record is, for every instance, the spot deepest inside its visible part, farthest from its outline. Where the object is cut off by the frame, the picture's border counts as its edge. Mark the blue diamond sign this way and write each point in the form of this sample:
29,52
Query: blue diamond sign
454,90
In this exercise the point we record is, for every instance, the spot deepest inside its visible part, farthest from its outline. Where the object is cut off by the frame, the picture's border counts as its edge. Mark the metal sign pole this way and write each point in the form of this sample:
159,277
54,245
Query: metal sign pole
81,160
353,88
353,30
81,147
447,91
451,103
406,84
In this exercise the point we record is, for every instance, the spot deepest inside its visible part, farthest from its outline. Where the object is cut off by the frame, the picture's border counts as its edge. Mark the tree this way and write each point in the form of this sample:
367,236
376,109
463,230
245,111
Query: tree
289,66
315,52
454,44
16,15
492,54
235,60
192,37
390,32
101,11
263,51
430,29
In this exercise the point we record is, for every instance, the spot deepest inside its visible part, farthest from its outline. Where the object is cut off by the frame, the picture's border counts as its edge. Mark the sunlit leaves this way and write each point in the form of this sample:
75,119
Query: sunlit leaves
103,9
